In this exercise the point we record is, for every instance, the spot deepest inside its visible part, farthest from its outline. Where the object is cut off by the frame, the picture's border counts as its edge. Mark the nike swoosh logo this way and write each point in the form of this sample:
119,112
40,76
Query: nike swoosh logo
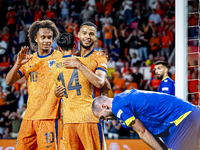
49,146
31,66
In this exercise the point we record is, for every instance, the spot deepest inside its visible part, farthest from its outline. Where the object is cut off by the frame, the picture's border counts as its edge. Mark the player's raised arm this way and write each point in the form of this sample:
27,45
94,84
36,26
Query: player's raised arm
146,136
22,58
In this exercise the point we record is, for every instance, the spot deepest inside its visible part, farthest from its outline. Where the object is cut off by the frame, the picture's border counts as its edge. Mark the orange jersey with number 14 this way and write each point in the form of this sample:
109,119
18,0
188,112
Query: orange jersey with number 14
78,94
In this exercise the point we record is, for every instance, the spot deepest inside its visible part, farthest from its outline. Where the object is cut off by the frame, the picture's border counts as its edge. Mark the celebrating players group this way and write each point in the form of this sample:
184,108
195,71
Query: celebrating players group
74,79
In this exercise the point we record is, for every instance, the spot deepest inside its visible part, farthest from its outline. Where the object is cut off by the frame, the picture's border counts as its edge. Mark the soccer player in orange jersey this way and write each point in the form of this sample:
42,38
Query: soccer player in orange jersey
87,36
41,124
79,121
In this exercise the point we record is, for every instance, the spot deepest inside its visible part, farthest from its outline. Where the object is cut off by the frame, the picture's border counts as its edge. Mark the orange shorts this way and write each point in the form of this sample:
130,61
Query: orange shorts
39,134
83,136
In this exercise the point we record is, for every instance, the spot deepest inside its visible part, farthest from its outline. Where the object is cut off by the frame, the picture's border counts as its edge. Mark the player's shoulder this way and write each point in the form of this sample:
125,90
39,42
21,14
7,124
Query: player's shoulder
95,54
127,95
120,102
57,53
168,80
101,60
92,54
84,59
58,63
34,55
117,103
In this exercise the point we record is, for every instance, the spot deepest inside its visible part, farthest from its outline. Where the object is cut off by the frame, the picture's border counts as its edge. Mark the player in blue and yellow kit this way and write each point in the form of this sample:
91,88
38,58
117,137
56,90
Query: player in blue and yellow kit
153,115
167,85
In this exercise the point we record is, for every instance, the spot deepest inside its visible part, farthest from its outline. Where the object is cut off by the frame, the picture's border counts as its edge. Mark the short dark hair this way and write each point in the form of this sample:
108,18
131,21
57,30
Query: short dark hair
65,41
32,32
96,103
161,63
88,24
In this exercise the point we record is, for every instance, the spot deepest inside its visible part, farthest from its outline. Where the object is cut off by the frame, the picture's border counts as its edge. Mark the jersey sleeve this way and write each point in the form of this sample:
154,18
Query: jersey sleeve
101,63
22,71
125,116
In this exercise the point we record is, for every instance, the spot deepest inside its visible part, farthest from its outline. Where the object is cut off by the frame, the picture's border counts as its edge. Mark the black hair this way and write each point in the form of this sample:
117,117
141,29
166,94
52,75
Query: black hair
65,41
32,32
161,63
88,24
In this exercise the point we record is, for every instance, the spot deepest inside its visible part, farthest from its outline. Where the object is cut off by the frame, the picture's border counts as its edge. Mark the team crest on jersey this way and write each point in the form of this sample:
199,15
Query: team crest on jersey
51,62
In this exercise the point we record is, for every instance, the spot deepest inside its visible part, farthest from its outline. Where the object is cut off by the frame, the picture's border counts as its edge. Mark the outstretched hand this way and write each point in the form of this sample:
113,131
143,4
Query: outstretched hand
22,57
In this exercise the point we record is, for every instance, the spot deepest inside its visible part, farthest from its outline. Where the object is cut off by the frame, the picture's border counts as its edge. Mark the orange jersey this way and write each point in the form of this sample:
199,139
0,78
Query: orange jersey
38,74
101,65
78,94
108,32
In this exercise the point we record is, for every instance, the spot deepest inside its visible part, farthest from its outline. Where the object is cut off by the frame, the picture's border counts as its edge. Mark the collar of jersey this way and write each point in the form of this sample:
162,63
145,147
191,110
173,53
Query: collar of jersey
89,53
65,56
45,55
165,78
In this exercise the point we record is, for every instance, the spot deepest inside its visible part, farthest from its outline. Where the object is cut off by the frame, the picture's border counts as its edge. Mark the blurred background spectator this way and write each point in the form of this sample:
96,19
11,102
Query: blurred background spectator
113,127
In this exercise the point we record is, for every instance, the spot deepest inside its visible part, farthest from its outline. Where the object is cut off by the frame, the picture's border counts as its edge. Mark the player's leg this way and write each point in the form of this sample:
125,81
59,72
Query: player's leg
94,133
26,139
49,134
186,134
71,140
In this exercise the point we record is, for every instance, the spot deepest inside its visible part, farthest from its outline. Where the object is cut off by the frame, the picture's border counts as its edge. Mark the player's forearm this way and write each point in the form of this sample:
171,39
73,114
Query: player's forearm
92,77
149,139
13,75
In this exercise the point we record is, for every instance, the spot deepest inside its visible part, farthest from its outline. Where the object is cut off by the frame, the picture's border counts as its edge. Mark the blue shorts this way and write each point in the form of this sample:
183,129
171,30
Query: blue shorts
187,134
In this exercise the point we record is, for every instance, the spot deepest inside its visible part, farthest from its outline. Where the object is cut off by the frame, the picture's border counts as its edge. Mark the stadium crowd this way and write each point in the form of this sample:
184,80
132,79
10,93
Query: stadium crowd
135,33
